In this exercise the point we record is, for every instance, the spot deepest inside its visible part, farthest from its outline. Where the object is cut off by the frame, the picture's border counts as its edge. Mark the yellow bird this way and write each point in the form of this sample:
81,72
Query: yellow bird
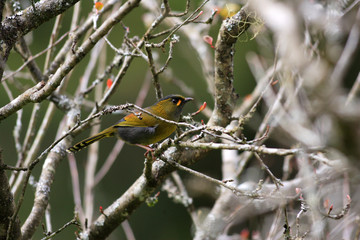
144,129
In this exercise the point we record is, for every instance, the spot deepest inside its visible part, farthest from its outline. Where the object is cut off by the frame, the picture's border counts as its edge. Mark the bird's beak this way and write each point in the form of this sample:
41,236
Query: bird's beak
188,99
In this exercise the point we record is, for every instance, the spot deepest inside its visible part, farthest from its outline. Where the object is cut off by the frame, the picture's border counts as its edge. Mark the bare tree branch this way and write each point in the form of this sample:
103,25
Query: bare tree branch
32,17
298,124
143,187
43,90
8,207
225,95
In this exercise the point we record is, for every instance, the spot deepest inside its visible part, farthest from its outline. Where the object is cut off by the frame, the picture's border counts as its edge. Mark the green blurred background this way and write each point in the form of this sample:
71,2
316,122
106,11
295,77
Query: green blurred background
166,218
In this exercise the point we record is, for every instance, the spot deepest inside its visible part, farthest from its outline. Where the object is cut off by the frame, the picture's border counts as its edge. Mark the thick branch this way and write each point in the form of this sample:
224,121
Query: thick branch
42,90
225,96
120,209
243,147
25,52
42,194
7,207
123,207
2,4
25,21
77,33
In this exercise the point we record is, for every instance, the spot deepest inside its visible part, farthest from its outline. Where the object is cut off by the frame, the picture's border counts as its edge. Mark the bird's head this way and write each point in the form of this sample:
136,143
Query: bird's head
170,107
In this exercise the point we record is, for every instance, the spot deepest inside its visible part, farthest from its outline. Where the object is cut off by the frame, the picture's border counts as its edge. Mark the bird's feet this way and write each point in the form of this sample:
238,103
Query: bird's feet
148,150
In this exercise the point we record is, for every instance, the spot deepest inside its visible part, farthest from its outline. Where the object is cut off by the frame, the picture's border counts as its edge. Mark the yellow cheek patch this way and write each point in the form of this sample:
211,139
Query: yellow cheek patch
178,103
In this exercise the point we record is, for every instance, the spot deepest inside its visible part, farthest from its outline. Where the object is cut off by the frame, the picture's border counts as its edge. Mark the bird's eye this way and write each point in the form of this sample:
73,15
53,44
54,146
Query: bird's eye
174,101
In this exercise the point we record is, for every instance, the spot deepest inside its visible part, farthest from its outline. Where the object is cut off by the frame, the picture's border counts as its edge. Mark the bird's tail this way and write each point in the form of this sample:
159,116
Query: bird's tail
109,132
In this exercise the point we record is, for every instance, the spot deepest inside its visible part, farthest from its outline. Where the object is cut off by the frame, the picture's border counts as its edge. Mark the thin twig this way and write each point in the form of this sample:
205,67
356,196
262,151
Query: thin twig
117,60
127,230
343,211
173,14
235,190
354,89
18,125
73,221
48,219
30,133
17,132
76,188
275,180
34,148
243,147
170,56
188,204
53,36
92,160
188,19
7,167
274,226
157,86
155,72
34,57
303,209
159,34
136,49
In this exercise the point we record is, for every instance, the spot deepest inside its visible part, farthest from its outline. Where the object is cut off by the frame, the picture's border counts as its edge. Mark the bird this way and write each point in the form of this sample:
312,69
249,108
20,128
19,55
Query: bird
142,129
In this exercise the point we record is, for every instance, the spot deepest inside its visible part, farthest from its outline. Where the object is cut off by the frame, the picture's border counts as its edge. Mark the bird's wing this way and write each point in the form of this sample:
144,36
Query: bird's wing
132,120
